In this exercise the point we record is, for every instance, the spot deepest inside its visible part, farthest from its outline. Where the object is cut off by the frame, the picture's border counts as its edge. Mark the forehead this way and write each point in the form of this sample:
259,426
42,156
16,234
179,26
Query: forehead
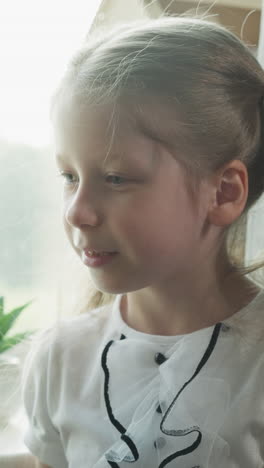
103,130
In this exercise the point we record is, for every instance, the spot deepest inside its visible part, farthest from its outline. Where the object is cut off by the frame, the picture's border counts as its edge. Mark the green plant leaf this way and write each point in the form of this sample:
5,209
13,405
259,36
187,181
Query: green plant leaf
8,343
2,303
7,320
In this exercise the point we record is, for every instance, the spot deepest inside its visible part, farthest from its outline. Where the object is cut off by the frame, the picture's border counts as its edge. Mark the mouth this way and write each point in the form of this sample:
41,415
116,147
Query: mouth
97,253
95,258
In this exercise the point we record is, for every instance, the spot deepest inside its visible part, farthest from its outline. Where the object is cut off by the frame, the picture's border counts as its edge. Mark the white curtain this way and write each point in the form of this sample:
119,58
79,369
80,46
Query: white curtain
255,223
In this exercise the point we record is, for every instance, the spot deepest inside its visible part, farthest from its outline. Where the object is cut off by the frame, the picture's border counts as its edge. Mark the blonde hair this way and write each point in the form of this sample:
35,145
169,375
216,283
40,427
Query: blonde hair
205,83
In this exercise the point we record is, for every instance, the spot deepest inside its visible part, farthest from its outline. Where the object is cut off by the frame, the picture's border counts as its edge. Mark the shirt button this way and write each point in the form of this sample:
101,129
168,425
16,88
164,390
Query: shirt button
160,443
158,409
160,358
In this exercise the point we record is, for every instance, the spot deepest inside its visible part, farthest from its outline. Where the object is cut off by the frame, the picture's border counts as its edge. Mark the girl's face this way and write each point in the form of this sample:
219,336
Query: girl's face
129,195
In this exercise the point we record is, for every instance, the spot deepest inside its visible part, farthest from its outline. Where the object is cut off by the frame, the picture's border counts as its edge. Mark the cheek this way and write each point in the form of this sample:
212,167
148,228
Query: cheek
155,225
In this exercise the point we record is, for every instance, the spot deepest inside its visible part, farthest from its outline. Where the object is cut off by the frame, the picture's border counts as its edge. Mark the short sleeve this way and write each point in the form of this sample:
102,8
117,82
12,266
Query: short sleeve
42,438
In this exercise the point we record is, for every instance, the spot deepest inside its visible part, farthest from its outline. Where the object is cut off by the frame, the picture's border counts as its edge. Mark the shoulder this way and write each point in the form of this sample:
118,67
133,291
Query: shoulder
52,348
247,327
83,331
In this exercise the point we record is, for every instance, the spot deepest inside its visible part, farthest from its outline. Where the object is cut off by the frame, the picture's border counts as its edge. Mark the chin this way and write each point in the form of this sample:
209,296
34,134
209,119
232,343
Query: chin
116,287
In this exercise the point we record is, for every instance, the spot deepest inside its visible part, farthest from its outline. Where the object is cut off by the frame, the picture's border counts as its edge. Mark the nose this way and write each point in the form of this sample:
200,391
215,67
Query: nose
80,210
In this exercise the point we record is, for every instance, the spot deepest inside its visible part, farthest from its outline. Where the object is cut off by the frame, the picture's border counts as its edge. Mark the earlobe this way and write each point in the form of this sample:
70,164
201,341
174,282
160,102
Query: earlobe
231,192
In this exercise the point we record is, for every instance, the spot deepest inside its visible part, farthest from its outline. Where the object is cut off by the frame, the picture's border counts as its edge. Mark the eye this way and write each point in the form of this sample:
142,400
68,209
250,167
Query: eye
69,178
115,179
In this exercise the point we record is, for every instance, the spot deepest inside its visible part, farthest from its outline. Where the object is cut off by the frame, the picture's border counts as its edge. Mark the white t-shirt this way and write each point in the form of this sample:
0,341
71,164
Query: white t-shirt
100,394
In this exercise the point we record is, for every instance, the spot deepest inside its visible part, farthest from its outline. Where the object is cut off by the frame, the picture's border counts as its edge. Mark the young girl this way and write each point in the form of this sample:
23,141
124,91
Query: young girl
158,135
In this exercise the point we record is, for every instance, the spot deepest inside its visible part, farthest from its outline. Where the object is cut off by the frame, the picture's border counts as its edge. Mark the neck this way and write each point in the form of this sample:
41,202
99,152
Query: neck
182,307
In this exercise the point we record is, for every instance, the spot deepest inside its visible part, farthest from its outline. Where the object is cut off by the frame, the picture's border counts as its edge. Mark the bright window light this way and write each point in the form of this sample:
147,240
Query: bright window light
37,38
36,41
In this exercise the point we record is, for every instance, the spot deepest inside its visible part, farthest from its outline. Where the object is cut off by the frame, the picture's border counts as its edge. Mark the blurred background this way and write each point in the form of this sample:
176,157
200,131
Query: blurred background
36,41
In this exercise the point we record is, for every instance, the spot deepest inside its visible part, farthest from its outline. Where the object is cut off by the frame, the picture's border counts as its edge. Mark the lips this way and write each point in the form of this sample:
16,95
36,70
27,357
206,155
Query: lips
97,253
97,258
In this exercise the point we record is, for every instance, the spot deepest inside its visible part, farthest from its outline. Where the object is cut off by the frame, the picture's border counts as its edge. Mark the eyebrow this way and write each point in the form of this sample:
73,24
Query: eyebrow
115,156
60,157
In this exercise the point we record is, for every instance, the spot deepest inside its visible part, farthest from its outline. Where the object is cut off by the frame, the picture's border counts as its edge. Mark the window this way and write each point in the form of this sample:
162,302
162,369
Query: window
36,41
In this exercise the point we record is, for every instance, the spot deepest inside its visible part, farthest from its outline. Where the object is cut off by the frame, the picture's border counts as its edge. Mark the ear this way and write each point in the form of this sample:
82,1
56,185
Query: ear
230,192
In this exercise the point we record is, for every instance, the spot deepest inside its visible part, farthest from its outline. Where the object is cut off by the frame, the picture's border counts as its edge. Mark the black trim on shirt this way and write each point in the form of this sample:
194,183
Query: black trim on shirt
171,432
